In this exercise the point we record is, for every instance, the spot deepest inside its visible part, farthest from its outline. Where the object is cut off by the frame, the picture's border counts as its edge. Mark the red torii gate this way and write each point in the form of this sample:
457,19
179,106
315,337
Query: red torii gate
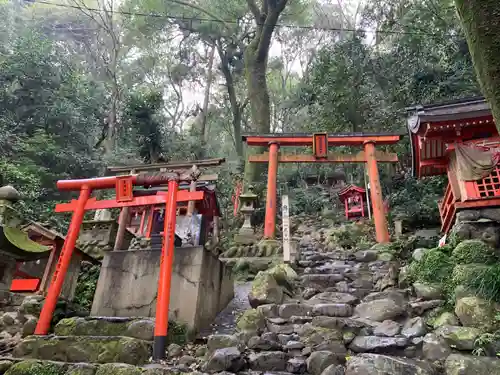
320,143
124,198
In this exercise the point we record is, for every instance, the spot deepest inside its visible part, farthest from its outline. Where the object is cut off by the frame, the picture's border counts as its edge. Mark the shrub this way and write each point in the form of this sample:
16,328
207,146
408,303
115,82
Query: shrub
485,282
474,251
435,267
87,282
462,275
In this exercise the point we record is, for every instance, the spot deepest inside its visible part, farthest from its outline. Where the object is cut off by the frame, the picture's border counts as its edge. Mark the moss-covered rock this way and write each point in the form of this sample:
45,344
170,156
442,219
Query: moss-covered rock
81,369
265,290
445,318
251,321
283,274
478,313
118,369
315,336
85,349
457,364
428,291
461,338
474,251
36,368
90,327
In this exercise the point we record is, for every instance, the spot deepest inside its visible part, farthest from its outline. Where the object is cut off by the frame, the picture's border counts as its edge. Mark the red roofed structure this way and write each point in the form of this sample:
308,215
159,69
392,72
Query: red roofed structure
458,139
354,199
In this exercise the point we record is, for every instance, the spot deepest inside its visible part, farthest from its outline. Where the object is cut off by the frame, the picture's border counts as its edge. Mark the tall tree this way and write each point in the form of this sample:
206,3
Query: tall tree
481,21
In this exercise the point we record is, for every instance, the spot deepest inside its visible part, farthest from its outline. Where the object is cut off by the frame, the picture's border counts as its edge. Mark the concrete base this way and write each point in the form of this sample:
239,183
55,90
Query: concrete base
201,286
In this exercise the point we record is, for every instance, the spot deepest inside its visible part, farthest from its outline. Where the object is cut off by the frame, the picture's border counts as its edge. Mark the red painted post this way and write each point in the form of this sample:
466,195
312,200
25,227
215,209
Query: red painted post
43,326
381,231
270,220
165,278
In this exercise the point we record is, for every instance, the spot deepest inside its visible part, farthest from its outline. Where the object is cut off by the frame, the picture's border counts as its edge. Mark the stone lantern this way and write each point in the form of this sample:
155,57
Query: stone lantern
248,204
8,215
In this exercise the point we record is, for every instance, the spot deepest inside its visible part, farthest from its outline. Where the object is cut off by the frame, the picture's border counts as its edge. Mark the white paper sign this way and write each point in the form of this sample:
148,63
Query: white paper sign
442,241
286,228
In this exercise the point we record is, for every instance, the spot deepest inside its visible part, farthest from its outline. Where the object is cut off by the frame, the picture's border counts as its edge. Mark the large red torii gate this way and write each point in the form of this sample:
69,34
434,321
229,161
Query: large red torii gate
320,143
123,186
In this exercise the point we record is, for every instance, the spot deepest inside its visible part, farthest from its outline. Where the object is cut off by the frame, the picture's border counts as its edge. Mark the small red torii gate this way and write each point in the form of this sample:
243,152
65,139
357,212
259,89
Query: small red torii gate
320,143
124,198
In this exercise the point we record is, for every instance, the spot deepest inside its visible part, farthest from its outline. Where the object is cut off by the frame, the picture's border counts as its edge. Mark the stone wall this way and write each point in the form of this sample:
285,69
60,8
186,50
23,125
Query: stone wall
98,236
19,315
478,224
201,285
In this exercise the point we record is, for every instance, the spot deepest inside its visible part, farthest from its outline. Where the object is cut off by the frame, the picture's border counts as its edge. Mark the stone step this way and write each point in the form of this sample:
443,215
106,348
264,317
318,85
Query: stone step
320,281
92,349
138,328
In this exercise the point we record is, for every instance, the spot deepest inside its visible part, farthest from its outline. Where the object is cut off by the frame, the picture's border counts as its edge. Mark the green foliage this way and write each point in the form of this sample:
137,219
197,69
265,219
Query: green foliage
474,251
86,285
49,114
141,112
415,200
435,267
310,201
485,282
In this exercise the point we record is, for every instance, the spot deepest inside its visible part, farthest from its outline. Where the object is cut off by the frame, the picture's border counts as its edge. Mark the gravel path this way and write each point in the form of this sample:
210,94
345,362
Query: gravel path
225,322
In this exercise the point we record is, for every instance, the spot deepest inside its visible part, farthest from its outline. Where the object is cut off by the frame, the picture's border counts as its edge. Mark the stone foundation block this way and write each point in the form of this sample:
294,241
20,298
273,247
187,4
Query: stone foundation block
75,349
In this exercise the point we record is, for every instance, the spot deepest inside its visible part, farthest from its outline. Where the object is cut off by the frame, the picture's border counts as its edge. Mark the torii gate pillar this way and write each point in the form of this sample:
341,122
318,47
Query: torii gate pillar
272,177
382,233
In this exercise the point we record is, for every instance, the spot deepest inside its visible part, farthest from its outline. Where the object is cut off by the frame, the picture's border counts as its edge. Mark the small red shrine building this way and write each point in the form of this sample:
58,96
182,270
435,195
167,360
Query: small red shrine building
354,199
458,139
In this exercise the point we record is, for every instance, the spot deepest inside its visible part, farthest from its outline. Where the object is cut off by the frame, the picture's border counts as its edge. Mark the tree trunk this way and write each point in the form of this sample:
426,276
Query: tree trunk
206,101
236,108
481,22
260,111
256,56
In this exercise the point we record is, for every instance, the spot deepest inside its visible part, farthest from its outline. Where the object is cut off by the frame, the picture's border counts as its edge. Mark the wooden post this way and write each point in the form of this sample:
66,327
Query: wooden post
143,220
382,233
216,229
48,268
270,220
190,208
286,228
43,326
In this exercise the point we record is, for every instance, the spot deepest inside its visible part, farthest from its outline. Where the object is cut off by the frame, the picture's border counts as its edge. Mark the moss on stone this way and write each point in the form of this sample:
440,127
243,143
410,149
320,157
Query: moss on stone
31,367
118,369
81,369
479,313
251,320
445,318
85,349
473,251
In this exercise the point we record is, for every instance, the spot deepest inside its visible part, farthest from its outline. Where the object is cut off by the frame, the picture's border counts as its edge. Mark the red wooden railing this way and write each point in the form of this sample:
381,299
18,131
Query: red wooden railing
447,209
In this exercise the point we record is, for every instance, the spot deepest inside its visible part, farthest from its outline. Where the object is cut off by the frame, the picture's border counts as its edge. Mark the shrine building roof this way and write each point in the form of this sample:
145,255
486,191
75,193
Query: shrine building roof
433,127
350,189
